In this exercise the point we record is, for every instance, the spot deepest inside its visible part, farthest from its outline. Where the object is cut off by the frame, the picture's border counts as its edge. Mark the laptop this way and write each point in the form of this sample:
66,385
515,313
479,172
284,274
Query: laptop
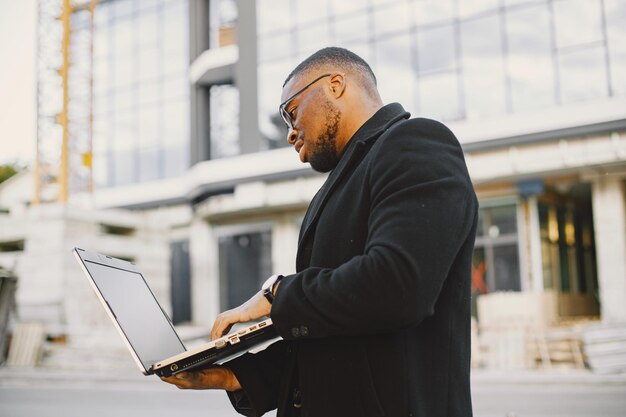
146,329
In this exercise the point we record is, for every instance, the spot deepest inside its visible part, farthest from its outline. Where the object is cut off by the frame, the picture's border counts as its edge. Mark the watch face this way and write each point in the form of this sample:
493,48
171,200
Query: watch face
269,282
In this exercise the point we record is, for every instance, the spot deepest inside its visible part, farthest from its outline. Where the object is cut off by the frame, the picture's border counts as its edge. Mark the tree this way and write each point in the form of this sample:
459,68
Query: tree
7,171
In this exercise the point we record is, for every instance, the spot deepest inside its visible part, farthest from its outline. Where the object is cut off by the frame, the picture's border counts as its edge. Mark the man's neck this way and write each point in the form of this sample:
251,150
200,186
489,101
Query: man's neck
355,122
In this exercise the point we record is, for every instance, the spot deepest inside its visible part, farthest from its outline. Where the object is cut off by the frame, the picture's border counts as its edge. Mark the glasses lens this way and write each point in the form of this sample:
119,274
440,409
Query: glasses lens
286,117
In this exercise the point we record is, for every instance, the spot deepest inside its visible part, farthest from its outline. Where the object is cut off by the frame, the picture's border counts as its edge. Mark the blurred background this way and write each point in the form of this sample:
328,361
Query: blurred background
148,130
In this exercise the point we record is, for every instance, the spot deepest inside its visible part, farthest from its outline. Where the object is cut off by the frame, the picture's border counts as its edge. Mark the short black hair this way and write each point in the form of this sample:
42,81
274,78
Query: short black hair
340,57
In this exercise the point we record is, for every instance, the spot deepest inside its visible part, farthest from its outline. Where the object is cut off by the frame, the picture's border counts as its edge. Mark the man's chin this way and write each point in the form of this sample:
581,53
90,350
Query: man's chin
322,167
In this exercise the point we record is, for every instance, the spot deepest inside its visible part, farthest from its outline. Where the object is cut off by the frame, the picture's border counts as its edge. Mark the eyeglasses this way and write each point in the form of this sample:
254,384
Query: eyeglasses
282,109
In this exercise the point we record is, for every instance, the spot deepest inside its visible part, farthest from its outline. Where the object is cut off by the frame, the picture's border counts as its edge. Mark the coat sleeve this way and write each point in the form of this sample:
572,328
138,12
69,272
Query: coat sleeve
422,207
260,376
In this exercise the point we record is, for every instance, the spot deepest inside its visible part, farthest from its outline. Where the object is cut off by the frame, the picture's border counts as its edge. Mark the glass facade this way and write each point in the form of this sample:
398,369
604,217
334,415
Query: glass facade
453,59
245,263
496,265
567,242
141,91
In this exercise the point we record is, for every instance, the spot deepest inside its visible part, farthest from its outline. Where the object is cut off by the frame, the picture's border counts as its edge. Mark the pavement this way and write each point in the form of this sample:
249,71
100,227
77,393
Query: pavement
42,377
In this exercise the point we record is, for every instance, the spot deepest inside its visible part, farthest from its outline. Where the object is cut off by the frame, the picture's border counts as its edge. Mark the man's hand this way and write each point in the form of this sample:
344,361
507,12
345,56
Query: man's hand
254,308
218,377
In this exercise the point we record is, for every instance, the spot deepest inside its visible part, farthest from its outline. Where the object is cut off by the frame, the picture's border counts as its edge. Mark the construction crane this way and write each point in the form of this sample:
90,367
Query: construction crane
64,99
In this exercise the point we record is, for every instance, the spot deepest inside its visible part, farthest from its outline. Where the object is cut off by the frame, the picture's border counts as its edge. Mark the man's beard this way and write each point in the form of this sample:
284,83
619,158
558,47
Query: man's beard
323,155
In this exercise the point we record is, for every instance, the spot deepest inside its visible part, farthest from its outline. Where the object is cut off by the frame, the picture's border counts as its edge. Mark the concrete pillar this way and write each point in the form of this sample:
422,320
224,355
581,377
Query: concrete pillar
204,256
609,218
200,123
246,77
531,263
284,245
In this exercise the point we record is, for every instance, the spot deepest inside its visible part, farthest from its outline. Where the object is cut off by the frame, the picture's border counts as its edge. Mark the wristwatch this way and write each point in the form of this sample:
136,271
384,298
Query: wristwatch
268,287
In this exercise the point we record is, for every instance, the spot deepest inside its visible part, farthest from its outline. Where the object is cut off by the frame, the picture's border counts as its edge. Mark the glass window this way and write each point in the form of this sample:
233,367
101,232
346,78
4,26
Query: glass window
101,75
615,13
274,16
99,170
123,163
439,96
393,71
124,132
530,67
523,2
436,49
479,269
123,37
224,121
392,18
245,262
504,218
149,63
149,164
123,99
101,134
271,77
496,257
175,87
347,7
506,268
583,75
474,7
275,47
102,16
483,67
175,62
429,11
122,7
148,93
308,11
175,33
148,125
577,22
312,37
123,75
101,43
176,122
351,28
144,5
176,159
148,24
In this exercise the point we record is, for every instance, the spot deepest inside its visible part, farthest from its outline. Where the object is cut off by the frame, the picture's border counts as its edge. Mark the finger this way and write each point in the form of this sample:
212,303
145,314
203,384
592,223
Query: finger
215,327
226,330
222,324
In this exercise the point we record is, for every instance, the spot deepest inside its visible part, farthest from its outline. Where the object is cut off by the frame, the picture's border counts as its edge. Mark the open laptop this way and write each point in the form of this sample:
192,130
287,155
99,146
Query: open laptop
148,332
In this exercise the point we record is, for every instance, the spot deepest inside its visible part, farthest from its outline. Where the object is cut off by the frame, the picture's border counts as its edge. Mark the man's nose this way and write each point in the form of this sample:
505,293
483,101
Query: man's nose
292,137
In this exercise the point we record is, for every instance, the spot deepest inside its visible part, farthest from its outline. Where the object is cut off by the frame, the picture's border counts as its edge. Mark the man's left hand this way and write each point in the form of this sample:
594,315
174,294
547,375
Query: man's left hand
254,308
215,377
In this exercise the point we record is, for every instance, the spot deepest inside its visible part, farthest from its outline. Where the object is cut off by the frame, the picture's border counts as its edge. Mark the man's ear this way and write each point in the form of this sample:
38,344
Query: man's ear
337,84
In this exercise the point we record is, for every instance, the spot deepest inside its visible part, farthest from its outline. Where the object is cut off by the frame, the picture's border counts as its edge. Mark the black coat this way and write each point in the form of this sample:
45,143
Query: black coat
376,321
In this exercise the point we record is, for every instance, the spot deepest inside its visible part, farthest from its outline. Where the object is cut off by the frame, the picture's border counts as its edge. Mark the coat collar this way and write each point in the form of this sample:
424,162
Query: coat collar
379,122
353,152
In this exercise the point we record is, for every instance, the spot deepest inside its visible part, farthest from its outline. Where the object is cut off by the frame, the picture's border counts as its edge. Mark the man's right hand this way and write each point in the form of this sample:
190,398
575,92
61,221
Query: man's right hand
217,377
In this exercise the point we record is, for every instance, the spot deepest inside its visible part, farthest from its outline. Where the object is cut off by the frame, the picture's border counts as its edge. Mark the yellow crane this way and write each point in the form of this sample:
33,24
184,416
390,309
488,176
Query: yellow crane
64,143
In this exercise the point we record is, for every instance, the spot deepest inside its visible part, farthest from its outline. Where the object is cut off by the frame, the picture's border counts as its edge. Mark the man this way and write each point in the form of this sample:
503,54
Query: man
376,321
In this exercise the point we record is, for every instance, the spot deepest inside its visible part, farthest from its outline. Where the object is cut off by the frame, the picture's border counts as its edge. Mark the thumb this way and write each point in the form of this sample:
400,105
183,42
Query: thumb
183,375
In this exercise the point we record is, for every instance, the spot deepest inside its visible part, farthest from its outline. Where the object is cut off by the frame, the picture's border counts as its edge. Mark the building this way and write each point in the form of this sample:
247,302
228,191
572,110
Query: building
186,132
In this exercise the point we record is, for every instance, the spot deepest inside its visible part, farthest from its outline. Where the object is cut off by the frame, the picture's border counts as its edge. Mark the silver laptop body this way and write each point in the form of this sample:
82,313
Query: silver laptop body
146,329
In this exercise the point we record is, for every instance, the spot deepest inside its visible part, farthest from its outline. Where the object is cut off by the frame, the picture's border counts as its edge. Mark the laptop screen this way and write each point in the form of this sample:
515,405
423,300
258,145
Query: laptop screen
139,315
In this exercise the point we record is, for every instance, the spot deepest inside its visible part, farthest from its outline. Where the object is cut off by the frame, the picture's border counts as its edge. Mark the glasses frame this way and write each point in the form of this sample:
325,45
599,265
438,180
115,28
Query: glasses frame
282,109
